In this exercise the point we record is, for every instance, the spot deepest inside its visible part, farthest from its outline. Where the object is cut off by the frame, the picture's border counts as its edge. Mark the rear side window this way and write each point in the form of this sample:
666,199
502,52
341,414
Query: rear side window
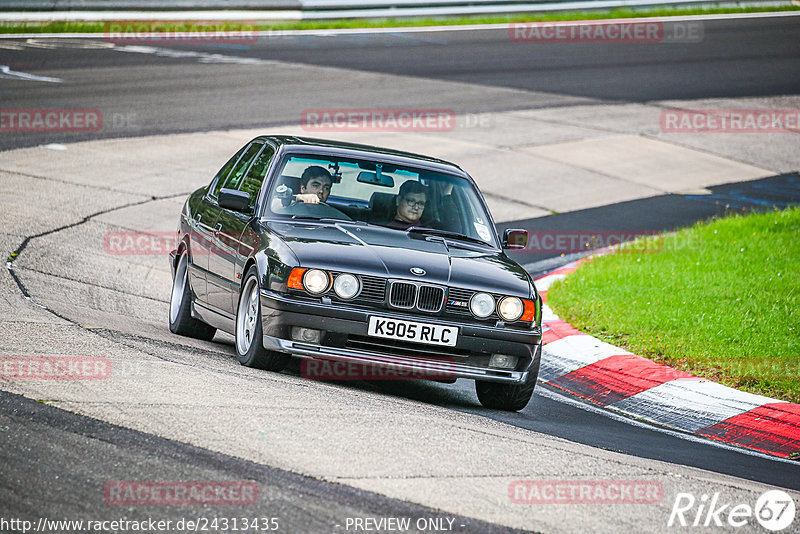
255,176
223,173
235,178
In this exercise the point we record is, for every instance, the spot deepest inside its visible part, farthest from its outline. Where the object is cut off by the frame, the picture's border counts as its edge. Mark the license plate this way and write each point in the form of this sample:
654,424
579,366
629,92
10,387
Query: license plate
432,334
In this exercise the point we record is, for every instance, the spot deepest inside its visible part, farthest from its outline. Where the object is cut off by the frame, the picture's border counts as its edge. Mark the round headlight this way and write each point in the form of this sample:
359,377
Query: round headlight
511,308
315,281
346,286
482,304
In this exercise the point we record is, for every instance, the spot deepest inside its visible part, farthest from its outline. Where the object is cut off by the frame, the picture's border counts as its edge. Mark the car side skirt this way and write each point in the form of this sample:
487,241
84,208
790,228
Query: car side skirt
215,319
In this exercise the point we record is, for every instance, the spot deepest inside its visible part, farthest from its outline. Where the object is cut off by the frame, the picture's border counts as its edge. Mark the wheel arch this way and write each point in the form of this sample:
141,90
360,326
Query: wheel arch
183,246
262,263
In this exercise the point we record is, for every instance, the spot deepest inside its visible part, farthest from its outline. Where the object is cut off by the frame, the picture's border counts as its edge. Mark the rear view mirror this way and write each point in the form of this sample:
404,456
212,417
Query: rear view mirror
372,178
233,199
515,239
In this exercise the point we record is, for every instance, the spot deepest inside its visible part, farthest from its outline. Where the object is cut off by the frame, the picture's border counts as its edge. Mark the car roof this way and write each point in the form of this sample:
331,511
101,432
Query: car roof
354,149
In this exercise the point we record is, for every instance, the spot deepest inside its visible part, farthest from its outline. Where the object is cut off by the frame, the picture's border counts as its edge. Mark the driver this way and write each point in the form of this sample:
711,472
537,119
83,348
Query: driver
315,185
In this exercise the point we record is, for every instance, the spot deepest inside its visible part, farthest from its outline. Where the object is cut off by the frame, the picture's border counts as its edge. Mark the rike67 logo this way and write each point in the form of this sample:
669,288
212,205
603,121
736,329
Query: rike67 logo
774,510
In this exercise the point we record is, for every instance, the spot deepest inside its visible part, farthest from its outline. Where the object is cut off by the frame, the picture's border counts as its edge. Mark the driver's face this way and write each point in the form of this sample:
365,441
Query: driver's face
320,186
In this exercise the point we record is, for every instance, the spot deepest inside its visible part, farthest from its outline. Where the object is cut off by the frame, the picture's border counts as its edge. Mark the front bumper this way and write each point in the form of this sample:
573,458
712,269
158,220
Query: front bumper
343,324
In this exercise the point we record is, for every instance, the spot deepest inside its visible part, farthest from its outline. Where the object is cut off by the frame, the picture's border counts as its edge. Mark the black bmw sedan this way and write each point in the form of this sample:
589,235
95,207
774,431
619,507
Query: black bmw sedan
366,262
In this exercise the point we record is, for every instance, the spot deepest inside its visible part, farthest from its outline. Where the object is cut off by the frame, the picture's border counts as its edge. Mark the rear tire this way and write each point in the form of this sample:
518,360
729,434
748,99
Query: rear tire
249,338
510,397
181,321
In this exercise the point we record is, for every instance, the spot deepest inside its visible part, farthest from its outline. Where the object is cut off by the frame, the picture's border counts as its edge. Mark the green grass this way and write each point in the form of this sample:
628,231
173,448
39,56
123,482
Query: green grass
720,300
100,27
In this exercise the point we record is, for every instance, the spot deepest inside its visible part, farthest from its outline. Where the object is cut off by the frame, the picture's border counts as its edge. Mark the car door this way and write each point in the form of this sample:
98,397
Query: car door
234,243
220,281
202,215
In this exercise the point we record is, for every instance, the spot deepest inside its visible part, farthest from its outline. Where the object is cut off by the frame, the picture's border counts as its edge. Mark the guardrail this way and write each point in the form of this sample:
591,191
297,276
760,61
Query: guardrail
175,5
106,5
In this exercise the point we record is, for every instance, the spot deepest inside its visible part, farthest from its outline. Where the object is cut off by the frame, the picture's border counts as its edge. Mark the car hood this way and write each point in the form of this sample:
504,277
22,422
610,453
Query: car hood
379,251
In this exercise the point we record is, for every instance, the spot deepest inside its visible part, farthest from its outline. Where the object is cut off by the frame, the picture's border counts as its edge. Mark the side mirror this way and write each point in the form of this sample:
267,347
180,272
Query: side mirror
235,200
515,239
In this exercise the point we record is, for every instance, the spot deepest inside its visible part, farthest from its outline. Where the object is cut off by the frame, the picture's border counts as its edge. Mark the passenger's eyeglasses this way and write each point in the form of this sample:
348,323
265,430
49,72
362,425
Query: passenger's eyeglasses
415,203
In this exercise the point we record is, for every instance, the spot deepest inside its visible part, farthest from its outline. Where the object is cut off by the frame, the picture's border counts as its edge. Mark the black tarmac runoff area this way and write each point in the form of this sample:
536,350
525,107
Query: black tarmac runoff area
59,466
169,88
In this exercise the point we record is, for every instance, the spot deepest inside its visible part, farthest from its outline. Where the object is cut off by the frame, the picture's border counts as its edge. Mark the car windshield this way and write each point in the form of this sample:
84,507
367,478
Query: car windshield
403,198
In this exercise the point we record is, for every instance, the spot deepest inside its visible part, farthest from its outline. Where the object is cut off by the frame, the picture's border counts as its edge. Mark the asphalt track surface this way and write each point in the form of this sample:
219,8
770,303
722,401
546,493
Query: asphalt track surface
736,58
56,461
749,58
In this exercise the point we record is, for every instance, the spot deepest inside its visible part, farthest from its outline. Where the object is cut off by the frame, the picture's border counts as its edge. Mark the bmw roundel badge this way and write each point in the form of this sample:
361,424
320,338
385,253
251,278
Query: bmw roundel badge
417,271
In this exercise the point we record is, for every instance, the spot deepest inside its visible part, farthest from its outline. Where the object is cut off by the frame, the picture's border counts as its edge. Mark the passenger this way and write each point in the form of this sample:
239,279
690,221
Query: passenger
409,205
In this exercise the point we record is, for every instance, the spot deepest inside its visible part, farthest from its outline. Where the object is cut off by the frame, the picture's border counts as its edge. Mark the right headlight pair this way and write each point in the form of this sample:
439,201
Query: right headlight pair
509,308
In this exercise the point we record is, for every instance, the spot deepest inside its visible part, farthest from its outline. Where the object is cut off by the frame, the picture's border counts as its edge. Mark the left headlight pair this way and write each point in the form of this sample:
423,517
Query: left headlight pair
509,308
317,282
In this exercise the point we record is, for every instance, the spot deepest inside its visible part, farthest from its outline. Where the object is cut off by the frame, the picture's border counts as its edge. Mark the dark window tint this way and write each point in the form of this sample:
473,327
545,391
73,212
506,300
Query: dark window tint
235,178
255,177
224,172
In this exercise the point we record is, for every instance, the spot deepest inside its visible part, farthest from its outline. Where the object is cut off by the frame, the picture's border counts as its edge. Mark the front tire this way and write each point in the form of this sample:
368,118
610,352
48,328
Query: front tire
249,346
181,321
510,397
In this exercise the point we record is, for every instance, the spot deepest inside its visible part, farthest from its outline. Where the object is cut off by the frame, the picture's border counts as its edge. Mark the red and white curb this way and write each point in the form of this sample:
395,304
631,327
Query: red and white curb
614,378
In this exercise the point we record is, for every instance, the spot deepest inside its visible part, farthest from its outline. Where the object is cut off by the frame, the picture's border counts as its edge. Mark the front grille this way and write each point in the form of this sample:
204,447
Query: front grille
408,295
402,295
457,298
430,298
373,288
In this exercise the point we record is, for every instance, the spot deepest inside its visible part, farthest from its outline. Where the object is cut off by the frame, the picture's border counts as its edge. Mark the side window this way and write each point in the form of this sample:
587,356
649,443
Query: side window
235,179
252,183
223,173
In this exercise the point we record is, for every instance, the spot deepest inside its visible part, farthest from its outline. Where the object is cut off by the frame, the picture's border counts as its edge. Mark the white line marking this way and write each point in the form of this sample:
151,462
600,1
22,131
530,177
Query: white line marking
548,314
6,72
81,44
544,283
569,353
690,404
559,397
202,57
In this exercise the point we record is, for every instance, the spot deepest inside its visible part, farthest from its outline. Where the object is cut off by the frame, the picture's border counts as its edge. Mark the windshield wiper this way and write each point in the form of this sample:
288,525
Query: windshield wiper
321,219
448,235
